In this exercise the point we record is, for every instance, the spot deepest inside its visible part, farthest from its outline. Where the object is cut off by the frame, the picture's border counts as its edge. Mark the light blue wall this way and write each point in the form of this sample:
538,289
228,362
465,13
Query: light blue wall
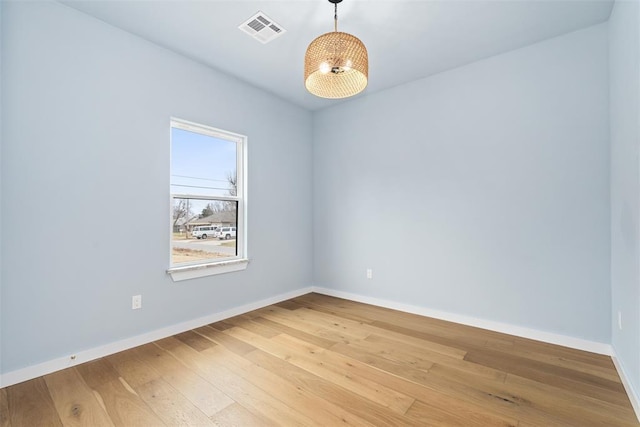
481,191
624,48
85,182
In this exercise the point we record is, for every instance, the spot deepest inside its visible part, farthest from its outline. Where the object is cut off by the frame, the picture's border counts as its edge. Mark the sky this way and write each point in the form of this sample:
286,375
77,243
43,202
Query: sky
200,164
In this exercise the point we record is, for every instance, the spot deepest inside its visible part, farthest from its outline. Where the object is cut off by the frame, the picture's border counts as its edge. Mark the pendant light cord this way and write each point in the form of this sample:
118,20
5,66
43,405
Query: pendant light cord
335,17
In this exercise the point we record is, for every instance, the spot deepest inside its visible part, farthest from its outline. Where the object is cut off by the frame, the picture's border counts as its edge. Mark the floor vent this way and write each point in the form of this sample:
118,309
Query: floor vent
262,28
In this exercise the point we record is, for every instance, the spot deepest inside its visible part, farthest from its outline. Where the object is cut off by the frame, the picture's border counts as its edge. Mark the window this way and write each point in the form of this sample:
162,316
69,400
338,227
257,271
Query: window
208,199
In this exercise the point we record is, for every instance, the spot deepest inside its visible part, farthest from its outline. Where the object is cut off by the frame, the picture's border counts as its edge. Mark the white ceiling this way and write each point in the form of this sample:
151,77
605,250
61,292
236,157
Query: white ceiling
406,40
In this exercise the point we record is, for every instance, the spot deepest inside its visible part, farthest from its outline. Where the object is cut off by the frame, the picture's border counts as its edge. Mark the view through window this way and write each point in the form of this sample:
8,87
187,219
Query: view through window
207,206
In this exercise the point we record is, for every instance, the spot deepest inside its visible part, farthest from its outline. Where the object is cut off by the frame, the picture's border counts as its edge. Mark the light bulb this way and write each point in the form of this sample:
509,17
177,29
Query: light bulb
325,68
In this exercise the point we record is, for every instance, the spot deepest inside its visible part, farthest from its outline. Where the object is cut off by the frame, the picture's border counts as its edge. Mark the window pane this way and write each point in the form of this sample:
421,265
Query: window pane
202,164
203,229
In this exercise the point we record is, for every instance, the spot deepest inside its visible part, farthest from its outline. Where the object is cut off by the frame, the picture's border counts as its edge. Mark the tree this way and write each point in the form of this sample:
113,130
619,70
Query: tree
181,209
208,210
232,178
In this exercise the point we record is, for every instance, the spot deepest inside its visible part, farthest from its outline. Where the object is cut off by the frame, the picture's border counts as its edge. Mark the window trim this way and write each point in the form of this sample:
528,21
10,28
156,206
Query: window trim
226,265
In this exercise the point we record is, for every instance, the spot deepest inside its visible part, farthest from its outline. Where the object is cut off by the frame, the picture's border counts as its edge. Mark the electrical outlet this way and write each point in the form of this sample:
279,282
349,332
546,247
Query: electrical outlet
620,320
369,273
136,302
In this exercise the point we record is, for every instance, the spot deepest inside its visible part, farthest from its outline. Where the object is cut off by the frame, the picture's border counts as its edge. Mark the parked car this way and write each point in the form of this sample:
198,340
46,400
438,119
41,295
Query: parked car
204,231
226,233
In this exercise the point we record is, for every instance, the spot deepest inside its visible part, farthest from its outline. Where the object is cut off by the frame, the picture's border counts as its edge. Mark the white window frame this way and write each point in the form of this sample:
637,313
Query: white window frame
239,262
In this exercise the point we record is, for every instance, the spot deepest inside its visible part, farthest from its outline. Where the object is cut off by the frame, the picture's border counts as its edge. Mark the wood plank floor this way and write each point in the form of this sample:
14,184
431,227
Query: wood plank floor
318,360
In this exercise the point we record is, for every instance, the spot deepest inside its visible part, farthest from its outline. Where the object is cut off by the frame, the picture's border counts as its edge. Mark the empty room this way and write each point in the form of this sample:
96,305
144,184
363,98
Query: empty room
320,212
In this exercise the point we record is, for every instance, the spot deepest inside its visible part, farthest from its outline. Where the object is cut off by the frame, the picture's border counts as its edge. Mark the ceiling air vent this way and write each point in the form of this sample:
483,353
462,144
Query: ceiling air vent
262,28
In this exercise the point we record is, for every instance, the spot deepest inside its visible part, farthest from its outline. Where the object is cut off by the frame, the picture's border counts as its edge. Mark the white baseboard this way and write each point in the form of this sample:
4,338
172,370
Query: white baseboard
634,397
34,371
505,328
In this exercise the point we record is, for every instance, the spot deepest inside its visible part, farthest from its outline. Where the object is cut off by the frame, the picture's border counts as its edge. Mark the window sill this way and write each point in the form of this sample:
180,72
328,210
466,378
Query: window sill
210,269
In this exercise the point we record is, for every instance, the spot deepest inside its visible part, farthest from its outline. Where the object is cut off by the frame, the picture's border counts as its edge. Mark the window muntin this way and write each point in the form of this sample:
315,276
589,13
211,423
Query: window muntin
207,191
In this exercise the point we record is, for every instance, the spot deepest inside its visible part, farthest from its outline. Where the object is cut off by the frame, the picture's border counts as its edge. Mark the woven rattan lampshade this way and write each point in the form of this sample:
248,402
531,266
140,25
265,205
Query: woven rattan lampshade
336,65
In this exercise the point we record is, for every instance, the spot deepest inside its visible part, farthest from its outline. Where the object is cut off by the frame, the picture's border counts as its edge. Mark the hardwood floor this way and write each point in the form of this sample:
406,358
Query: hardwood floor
318,360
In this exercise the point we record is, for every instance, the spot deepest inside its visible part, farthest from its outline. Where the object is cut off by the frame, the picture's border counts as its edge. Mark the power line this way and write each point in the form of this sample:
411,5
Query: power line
204,179
199,186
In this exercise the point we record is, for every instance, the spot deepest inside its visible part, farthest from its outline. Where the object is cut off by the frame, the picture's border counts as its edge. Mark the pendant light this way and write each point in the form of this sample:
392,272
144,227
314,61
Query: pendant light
336,64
